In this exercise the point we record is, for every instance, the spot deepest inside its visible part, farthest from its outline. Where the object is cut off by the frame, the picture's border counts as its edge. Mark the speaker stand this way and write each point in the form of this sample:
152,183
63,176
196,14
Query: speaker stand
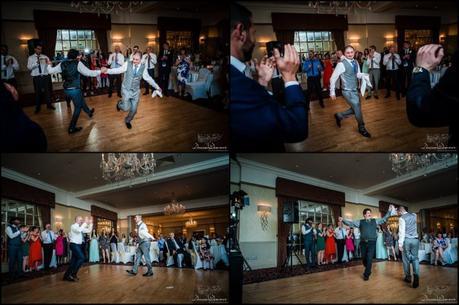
290,252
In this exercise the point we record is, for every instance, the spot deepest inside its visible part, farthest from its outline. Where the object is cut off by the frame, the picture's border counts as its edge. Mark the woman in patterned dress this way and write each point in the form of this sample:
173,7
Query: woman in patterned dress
183,64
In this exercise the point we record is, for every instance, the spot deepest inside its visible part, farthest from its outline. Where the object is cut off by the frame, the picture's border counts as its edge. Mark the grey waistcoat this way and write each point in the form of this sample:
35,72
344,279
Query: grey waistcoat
411,230
348,76
130,81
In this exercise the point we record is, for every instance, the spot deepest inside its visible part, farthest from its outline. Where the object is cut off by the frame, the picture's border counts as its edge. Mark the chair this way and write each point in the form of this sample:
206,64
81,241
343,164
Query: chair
215,251
170,258
124,257
154,252
200,88
199,264
115,255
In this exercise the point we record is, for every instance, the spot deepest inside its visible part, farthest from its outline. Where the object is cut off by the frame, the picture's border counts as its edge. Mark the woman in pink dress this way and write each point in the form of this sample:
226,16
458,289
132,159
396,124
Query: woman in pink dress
350,243
60,247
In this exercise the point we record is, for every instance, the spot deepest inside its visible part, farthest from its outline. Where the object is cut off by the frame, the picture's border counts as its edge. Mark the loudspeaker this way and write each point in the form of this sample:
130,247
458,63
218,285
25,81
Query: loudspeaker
31,43
236,276
290,212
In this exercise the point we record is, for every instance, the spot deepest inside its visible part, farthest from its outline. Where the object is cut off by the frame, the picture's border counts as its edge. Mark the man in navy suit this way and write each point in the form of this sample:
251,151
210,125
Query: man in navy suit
258,121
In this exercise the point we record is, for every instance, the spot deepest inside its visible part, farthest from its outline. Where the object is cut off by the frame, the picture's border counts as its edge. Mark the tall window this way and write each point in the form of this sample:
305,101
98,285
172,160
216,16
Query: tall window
319,213
75,39
29,215
320,42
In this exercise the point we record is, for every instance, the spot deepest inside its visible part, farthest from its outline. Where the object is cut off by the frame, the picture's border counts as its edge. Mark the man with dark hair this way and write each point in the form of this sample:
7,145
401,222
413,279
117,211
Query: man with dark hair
309,242
408,56
408,244
258,121
14,245
368,237
165,64
37,64
373,61
9,65
71,68
437,106
392,62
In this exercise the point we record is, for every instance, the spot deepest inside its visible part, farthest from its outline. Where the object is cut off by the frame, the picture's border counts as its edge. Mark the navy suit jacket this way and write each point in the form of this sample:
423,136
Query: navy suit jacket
259,122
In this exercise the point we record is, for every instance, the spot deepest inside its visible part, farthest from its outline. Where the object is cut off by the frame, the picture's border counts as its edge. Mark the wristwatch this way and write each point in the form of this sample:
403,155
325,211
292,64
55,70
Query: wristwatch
418,70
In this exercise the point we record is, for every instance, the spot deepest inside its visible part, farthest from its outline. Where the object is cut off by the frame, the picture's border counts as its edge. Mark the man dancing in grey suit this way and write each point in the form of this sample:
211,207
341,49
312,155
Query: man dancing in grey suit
145,239
134,70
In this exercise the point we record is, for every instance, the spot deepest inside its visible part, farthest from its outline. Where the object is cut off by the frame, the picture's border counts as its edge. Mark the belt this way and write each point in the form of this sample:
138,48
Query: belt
41,75
71,88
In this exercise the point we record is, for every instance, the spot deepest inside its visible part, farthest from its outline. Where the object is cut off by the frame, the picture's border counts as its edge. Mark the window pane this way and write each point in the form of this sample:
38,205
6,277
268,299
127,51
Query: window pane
325,35
59,35
81,45
311,46
65,35
73,44
310,36
304,47
318,36
326,46
66,45
296,36
73,35
303,36
81,34
58,46
29,220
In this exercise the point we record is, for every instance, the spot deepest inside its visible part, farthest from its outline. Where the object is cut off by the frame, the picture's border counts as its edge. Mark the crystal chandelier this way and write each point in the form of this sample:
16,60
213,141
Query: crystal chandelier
119,166
106,7
403,163
174,208
335,6
191,223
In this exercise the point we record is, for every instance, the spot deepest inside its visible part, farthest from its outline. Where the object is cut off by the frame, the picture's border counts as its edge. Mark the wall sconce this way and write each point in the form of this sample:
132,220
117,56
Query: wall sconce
117,40
264,211
202,39
354,40
442,38
151,40
212,229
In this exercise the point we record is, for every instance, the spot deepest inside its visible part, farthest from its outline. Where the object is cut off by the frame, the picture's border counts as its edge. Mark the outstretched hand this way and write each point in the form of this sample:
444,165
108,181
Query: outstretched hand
103,70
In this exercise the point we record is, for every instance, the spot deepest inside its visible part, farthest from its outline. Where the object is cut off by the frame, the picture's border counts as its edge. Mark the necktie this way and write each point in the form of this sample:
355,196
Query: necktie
39,66
393,62
148,61
354,65
50,236
116,60
371,65
136,68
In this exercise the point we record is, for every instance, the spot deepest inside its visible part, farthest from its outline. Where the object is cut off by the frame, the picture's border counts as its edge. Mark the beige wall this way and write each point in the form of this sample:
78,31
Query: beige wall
363,36
62,217
354,210
129,35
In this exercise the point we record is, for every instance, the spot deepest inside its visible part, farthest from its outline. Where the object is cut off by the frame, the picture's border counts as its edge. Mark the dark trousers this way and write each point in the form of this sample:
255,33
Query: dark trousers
406,78
310,252
164,79
392,77
368,252
115,79
151,72
314,86
340,244
15,261
12,81
76,261
48,254
42,90
78,102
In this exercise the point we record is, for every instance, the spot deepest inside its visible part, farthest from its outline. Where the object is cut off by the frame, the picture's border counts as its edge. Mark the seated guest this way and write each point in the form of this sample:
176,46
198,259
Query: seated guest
205,255
258,121
181,241
161,247
19,132
438,247
174,248
437,106
9,65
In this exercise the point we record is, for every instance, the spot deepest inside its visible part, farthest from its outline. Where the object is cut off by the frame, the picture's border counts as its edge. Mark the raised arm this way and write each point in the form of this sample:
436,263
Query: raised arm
86,72
384,219
15,64
56,69
119,70
351,223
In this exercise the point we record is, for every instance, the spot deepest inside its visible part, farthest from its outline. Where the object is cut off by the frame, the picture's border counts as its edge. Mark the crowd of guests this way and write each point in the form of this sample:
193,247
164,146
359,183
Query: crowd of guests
328,244
30,248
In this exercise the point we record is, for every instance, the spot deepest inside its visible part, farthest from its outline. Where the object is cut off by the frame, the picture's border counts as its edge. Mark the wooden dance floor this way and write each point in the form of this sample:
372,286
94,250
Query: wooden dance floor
167,124
111,284
385,119
346,285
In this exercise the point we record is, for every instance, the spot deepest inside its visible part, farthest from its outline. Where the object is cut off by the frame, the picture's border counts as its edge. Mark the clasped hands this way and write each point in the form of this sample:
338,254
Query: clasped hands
103,70
287,65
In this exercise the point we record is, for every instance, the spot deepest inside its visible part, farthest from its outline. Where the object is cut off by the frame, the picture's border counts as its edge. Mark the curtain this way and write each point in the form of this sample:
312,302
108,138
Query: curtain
48,38
336,210
44,213
338,37
287,37
101,36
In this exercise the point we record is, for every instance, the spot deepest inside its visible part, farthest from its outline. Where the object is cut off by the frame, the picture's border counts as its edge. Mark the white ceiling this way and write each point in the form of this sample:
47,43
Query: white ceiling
369,172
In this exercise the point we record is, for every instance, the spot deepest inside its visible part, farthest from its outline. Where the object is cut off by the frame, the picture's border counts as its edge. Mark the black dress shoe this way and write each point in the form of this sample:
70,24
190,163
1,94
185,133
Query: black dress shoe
338,120
366,277
76,129
149,273
131,272
51,107
407,279
364,132
69,278
76,278
128,125
91,112
368,97
322,104
415,281
117,107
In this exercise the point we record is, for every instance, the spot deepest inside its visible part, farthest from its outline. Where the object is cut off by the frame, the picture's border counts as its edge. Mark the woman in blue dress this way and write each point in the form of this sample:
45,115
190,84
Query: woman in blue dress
94,248
381,252
183,64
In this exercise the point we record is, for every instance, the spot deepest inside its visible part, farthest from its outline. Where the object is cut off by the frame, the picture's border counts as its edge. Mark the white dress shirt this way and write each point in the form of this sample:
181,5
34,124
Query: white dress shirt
145,74
119,60
143,232
388,62
48,237
10,233
240,66
339,69
81,68
8,69
152,60
376,60
32,65
340,233
76,231
356,233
